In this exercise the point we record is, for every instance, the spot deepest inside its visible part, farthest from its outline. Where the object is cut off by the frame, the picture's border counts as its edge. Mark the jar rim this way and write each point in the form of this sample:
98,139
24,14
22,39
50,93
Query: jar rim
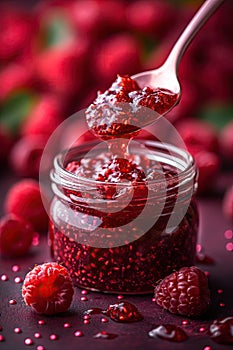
187,162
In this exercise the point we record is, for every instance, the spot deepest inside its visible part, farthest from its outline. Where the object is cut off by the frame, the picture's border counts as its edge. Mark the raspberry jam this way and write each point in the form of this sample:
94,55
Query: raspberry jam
221,331
120,225
118,111
123,312
169,332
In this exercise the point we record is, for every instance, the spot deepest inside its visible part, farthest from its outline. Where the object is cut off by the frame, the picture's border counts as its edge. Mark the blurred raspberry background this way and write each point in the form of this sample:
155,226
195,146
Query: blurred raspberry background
56,54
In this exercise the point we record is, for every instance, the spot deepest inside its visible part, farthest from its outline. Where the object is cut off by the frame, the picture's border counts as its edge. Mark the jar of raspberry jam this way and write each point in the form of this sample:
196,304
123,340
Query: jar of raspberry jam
120,225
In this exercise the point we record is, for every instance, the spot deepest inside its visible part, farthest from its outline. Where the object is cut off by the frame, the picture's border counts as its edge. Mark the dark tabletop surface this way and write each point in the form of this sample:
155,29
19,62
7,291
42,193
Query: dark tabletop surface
130,336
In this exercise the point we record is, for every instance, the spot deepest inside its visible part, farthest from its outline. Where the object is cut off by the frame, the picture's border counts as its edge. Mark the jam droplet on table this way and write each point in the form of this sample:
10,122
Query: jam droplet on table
221,330
168,332
105,335
124,312
118,111
93,311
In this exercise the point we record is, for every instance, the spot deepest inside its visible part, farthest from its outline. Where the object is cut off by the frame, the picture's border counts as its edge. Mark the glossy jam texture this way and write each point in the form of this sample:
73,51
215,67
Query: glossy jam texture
135,266
118,112
84,230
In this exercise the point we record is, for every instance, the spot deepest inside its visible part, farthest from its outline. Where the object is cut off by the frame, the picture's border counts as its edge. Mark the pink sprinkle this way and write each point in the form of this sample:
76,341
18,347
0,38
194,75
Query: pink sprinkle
67,325
53,337
15,268
12,302
153,299
86,317
41,322
120,297
222,304
86,321
1,338
40,347
207,348
104,320
228,234
36,239
84,292
17,330
202,329
229,246
18,279
185,322
198,248
37,335
78,334
83,298
219,291
207,273
28,341
4,278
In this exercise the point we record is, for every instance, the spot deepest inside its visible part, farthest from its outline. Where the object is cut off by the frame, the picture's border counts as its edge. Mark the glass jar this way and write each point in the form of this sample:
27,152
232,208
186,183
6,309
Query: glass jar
127,243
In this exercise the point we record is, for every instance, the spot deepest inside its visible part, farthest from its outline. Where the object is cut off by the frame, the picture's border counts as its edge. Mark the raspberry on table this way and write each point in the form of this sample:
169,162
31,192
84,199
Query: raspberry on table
15,236
184,292
48,288
24,200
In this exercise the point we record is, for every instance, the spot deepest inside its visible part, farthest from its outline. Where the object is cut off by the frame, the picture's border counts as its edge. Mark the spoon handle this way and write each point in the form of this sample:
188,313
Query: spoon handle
199,19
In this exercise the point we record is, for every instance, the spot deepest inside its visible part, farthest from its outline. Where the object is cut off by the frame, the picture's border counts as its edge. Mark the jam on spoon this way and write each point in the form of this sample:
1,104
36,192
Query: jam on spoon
119,111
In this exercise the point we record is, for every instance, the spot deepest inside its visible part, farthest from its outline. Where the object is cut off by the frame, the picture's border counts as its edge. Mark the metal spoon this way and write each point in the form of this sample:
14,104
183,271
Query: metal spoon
165,77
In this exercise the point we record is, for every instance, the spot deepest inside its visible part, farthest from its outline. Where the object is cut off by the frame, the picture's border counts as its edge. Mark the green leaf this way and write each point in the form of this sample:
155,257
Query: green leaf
58,31
217,114
15,109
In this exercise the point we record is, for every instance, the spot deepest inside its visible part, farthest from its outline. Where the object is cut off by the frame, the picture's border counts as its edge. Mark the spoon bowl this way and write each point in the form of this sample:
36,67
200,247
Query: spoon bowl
166,76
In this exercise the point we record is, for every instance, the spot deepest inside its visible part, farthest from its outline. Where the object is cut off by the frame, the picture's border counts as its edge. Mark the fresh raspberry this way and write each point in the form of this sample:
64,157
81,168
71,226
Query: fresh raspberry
24,200
26,154
226,142
15,77
95,18
184,292
15,236
113,16
150,17
228,203
17,28
61,68
118,54
208,164
48,289
44,118
219,72
86,15
198,135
